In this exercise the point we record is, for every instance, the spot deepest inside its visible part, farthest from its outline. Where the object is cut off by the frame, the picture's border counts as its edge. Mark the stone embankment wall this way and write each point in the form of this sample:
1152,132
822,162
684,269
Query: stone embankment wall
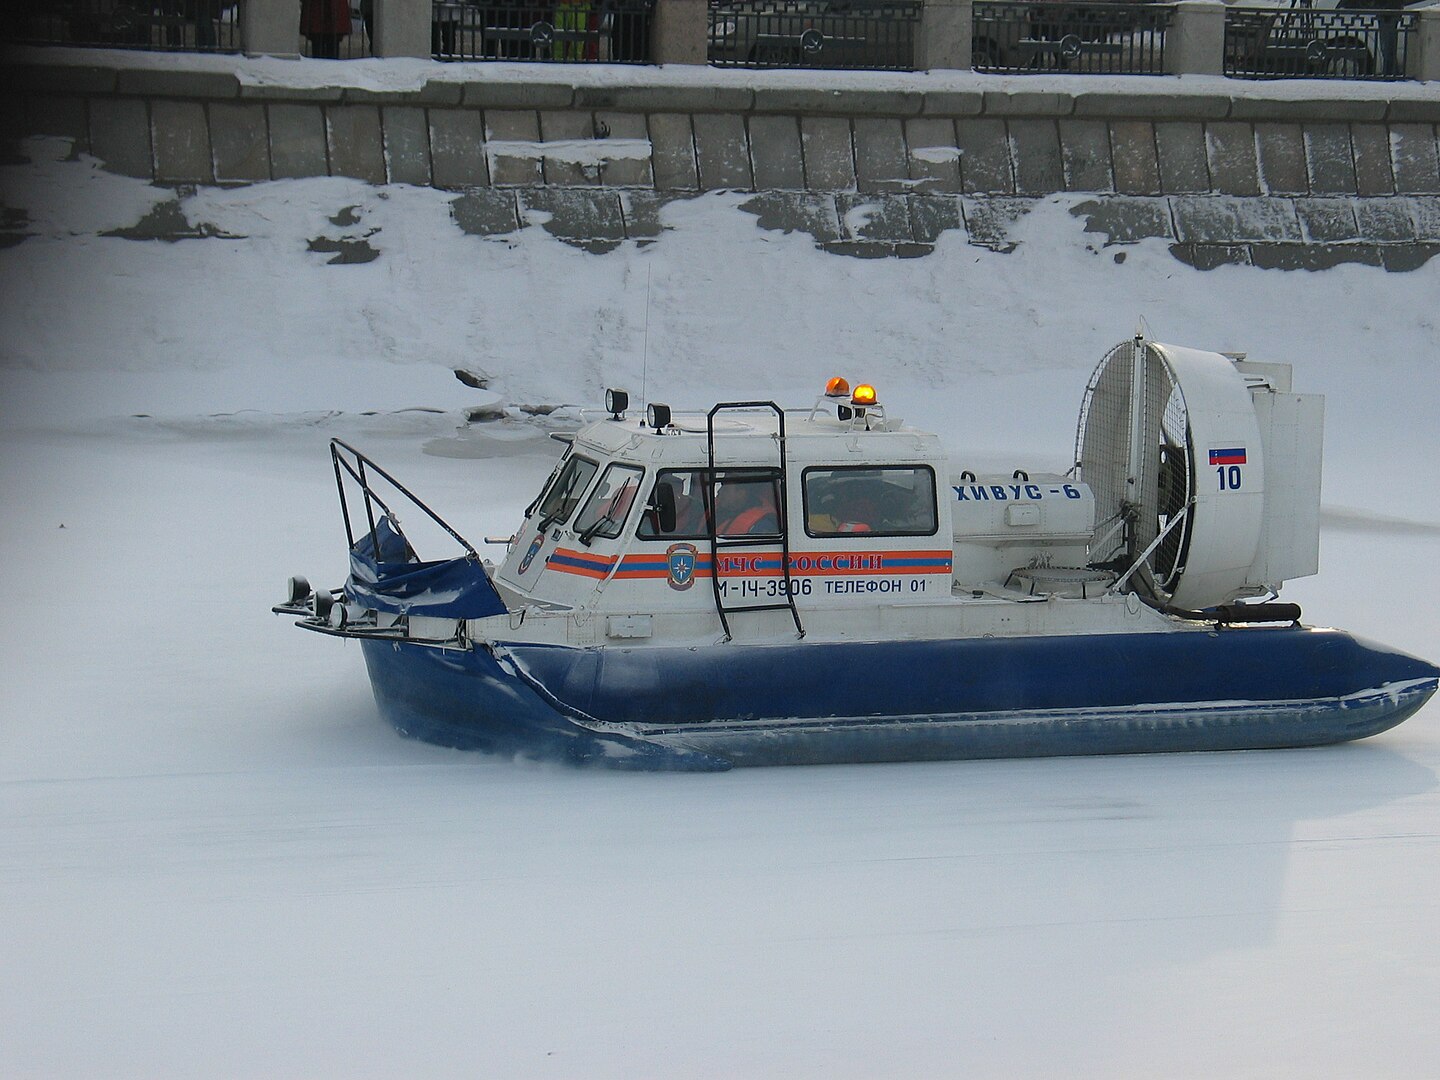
1224,172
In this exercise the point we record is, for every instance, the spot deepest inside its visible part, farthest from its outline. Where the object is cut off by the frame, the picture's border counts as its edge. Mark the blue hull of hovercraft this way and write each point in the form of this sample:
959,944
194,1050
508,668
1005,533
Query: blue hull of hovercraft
810,703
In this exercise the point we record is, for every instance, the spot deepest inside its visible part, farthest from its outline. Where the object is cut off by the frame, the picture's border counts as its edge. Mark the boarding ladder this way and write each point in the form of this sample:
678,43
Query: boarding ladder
718,544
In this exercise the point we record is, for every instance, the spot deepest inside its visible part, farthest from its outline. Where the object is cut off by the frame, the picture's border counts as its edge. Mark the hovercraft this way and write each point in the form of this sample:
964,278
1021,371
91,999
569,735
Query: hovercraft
756,586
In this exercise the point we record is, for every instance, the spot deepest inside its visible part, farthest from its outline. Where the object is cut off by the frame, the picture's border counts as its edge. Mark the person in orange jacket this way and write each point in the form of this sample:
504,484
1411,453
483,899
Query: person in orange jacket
746,508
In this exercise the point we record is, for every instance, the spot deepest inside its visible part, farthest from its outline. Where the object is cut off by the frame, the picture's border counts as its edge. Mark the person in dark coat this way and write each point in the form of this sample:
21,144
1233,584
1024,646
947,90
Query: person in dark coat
204,13
324,23
1388,14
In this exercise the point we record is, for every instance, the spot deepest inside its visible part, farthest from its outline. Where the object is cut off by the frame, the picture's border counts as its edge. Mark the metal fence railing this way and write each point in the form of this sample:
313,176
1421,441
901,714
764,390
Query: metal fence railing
873,34
562,31
355,45
1008,36
1299,42
156,25
1046,36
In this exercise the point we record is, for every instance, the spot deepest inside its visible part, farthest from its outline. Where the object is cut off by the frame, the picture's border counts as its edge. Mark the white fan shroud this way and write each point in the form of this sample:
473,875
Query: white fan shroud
1154,459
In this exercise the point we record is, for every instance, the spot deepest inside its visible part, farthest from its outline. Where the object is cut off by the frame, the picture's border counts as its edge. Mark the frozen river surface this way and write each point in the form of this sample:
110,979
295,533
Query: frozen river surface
215,860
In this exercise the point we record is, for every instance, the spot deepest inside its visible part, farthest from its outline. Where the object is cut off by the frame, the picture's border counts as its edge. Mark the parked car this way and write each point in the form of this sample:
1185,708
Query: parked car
815,33
1050,35
1317,38
108,22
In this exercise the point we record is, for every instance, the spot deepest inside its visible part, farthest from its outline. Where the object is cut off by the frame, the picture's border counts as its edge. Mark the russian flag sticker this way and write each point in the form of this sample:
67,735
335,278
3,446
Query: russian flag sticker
1233,456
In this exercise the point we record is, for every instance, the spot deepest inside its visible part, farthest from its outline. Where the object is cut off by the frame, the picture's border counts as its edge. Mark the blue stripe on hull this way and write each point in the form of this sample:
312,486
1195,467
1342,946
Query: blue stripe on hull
882,701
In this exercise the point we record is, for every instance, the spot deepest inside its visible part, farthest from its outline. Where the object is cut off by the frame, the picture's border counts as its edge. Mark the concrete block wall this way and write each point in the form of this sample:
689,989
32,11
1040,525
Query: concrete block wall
1223,177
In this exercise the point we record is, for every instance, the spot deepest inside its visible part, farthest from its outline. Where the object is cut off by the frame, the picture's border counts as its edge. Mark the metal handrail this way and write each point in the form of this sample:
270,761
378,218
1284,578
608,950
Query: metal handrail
549,31
1029,37
1301,42
201,26
357,472
834,34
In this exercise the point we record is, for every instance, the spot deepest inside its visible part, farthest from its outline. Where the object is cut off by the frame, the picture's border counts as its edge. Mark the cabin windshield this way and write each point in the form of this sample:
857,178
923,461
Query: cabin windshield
564,494
608,507
549,480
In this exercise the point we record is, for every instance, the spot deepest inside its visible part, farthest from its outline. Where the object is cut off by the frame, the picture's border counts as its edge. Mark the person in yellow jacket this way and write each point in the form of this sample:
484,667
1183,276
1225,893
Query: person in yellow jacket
573,16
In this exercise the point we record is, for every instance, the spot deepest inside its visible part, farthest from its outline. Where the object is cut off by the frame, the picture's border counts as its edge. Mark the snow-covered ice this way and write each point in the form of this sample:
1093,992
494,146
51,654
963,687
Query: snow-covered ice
215,860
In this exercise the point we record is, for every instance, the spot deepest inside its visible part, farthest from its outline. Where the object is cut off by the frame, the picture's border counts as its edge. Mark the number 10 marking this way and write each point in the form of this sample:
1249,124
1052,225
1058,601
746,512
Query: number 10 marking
1229,477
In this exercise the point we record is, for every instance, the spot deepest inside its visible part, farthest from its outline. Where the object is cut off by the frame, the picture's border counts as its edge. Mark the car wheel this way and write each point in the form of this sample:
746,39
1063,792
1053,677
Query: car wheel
776,56
984,53
1348,59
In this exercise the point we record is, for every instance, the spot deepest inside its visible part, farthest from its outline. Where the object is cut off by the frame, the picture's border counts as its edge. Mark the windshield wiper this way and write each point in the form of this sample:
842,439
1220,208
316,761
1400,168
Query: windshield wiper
594,527
561,504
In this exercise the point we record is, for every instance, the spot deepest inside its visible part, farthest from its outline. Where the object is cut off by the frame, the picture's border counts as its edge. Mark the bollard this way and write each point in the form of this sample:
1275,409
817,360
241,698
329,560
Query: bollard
944,38
1424,58
270,28
1195,42
681,33
402,28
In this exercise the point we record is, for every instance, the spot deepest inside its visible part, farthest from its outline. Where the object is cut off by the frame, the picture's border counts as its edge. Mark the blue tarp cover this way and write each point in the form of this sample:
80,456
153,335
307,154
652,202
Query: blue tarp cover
394,579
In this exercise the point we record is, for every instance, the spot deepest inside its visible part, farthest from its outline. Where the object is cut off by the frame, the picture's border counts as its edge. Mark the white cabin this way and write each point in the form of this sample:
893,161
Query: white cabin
756,521
876,535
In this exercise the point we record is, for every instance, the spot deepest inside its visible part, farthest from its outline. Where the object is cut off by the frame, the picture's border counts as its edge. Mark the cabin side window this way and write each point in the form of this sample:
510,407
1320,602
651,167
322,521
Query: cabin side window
608,507
747,504
564,493
676,510
896,500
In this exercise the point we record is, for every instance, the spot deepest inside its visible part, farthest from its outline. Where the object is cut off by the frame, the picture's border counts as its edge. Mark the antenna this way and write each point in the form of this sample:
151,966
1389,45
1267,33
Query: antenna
1135,458
645,345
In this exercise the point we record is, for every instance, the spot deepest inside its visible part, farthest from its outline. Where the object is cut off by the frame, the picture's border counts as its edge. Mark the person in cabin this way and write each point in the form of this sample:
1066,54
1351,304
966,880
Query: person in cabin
746,508
846,507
